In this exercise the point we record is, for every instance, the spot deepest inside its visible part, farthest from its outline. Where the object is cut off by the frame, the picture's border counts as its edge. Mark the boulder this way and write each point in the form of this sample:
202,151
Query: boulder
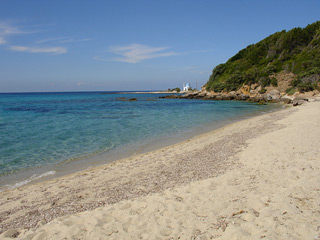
206,97
285,100
242,97
219,97
191,95
304,96
256,99
296,102
170,96
273,95
226,97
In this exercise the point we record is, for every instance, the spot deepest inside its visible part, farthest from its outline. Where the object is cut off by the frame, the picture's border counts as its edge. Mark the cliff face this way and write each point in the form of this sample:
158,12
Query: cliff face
286,61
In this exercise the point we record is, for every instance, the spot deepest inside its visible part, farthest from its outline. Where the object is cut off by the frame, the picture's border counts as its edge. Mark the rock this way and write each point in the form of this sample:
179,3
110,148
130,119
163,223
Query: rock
191,95
132,99
285,100
274,94
254,99
121,99
244,90
212,97
254,86
226,97
202,94
242,97
304,96
258,88
274,100
170,96
206,98
296,102
219,97
233,95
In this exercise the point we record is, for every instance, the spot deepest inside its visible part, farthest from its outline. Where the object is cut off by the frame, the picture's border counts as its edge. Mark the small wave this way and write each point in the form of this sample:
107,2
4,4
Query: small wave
24,182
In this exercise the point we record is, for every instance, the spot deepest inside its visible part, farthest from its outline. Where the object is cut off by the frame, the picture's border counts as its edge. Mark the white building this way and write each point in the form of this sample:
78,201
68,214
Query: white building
186,87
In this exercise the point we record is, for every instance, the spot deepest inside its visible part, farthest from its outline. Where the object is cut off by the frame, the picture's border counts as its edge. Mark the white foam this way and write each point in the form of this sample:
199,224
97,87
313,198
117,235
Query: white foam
24,182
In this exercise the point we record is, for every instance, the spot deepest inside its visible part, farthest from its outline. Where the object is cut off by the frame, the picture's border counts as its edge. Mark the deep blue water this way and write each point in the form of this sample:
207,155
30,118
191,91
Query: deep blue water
44,129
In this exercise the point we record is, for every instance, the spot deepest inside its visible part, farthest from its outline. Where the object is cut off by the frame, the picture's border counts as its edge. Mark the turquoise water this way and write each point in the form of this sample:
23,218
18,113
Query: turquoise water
45,129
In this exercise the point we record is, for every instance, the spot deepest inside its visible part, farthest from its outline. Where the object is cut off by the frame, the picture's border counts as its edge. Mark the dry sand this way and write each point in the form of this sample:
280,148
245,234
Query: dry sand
255,179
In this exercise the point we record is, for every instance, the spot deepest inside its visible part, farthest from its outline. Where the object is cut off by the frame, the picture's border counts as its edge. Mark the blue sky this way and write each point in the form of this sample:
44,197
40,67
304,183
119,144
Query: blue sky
110,45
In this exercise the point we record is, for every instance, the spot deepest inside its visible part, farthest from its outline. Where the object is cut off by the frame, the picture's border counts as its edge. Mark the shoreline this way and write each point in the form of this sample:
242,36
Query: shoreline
70,166
208,156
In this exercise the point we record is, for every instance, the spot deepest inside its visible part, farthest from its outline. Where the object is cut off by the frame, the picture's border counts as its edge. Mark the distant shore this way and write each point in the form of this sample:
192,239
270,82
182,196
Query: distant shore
156,92
223,183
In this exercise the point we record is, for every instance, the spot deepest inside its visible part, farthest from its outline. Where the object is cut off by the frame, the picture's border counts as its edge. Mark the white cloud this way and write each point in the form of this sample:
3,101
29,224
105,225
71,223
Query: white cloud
7,30
2,41
135,53
52,40
62,40
51,50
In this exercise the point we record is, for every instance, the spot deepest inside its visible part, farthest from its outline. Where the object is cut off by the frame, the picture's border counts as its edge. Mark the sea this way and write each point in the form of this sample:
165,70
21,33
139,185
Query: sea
45,135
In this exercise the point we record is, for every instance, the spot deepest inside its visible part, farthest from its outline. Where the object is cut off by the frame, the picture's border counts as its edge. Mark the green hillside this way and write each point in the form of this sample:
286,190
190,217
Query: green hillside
296,51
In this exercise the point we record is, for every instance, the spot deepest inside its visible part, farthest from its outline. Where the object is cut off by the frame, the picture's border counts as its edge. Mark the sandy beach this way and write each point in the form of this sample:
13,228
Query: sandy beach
254,179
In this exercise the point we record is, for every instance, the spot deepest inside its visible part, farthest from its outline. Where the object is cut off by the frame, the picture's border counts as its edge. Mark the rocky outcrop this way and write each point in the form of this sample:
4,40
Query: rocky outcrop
256,93
273,96
125,99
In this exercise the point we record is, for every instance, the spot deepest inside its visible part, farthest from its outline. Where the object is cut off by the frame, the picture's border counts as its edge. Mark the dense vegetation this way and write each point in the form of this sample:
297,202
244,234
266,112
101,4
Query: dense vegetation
296,51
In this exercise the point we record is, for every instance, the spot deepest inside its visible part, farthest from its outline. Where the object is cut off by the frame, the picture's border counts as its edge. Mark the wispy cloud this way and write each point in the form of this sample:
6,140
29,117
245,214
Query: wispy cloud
7,30
52,46
50,50
135,53
2,41
51,40
62,40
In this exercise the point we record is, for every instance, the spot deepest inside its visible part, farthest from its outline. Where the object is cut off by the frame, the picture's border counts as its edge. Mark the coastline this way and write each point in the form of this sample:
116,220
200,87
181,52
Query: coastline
81,163
170,174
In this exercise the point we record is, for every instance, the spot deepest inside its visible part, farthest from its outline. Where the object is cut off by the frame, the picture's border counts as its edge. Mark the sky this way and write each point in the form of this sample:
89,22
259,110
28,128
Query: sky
118,45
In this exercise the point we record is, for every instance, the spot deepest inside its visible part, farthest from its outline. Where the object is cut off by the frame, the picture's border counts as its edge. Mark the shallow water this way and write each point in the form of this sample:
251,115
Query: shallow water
44,130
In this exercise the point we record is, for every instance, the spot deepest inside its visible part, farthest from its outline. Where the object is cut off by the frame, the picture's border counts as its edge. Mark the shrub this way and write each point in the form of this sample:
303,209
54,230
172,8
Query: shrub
306,86
265,81
270,69
218,87
290,91
234,82
262,91
274,82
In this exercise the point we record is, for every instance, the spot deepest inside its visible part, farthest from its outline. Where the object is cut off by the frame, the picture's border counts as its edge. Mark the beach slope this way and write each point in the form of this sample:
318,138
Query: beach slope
254,179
